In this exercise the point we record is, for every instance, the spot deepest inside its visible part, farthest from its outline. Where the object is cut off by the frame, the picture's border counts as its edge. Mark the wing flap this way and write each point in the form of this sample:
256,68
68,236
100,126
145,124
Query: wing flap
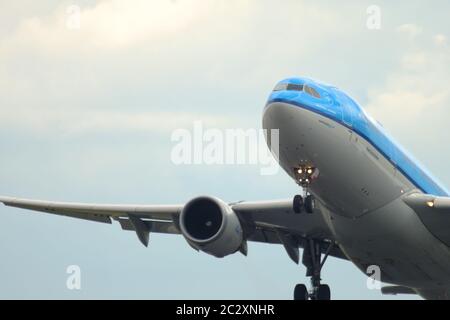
153,226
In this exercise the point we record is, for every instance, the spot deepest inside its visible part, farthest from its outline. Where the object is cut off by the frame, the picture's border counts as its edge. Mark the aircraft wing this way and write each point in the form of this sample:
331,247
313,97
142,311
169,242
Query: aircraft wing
94,212
263,221
434,212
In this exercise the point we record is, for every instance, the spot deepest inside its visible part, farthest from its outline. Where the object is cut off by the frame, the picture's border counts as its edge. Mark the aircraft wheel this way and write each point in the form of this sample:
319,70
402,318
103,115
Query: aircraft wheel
309,204
323,292
297,204
300,292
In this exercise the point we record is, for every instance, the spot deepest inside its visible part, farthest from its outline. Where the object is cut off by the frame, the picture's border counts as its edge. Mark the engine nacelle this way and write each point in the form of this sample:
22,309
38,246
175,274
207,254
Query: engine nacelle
210,225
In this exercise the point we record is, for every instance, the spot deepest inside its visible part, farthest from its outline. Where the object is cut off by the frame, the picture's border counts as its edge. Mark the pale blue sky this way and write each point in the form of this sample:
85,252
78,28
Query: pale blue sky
86,115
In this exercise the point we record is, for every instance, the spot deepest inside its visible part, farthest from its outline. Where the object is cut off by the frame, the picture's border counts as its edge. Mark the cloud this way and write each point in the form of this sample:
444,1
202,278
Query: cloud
132,61
416,89
108,24
413,103
214,61
88,122
410,30
440,39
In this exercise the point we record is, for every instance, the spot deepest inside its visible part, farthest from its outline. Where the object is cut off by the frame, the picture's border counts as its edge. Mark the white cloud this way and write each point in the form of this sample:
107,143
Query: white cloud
418,85
109,24
413,102
79,122
440,39
410,30
57,77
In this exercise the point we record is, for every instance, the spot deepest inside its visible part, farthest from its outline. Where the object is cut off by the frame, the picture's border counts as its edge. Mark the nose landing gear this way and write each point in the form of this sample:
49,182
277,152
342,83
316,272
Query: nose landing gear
301,204
304,176
312,261
312,249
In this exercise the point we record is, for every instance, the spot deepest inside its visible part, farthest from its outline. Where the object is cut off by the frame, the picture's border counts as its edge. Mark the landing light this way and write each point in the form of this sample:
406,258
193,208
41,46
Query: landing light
300,171
310,171
430,204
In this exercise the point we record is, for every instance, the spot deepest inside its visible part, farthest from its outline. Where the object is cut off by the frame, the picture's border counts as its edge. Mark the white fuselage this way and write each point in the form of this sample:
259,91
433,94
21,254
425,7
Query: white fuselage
359,192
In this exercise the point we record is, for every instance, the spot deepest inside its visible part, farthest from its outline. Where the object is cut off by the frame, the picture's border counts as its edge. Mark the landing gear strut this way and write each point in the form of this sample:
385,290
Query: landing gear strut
312,261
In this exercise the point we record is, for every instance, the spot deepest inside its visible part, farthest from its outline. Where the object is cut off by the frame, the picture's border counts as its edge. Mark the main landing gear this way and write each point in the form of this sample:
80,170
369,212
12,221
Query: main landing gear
312,261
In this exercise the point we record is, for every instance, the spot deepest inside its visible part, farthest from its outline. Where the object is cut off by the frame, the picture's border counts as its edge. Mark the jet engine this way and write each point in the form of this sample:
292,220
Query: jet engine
210,225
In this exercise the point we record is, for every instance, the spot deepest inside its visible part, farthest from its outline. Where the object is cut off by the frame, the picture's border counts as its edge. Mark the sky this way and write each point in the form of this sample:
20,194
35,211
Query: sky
91,91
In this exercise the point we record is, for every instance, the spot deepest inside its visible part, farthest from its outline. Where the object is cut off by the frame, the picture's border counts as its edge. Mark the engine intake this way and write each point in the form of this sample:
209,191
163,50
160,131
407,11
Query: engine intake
210,225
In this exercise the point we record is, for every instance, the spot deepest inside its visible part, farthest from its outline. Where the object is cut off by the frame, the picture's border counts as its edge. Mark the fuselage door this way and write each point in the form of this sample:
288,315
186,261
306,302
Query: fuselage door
346,107
347,113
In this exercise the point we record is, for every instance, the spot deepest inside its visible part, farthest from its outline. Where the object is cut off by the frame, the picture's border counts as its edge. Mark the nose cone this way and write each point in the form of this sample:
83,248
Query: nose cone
288,119
295,134
276,115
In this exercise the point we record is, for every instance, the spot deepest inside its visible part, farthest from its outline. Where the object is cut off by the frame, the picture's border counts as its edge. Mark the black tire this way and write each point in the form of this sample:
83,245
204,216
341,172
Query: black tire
323,293
297,204
309,204
300,292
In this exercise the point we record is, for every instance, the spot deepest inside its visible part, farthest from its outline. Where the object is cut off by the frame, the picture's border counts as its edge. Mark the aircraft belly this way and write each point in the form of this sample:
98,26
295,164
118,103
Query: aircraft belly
394,238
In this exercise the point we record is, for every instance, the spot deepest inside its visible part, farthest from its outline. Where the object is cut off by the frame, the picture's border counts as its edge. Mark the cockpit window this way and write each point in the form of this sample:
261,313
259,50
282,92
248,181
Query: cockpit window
295,87
280,87
312,92
288,87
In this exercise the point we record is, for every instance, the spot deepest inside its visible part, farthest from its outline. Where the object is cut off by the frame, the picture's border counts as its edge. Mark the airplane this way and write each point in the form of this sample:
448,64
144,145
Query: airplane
363,199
